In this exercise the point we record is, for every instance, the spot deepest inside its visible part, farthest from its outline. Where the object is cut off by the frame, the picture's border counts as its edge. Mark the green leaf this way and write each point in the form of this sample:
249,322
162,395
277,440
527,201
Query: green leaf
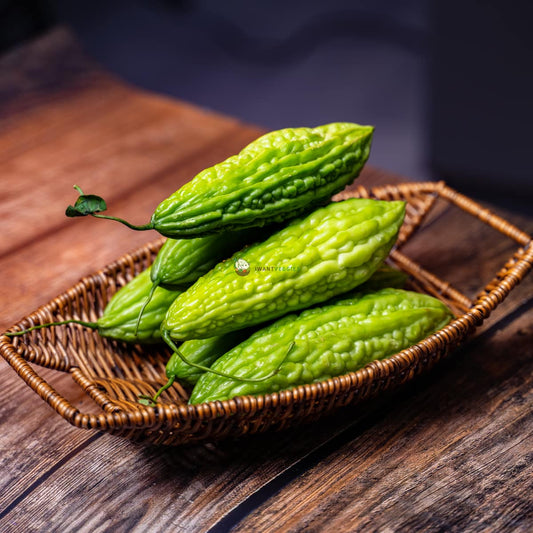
86,204
145,400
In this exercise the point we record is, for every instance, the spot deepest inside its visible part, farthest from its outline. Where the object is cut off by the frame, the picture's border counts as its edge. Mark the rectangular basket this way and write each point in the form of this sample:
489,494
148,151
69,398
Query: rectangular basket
114,374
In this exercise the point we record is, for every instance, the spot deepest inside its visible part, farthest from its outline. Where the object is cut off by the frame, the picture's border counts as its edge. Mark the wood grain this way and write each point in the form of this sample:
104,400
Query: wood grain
450,452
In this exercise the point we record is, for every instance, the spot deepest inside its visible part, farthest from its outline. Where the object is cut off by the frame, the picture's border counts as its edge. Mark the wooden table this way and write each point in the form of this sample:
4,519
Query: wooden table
452,451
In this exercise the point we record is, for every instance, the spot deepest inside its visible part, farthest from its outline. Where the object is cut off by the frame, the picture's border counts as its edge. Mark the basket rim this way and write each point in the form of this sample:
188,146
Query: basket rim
404,362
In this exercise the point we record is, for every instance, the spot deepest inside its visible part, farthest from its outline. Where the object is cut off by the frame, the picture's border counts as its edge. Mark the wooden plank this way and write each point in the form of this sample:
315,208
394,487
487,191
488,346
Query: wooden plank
160,489
34,439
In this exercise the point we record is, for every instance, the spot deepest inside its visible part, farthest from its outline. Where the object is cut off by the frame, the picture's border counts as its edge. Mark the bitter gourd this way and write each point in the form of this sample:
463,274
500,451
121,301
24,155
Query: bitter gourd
206,351
324,342
279,176
180,262
120,319
329,252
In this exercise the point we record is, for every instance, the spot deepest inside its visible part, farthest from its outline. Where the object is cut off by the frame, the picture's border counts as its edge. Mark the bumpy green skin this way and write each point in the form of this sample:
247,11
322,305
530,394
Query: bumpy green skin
206,351
119,320
331,251
326,342
180,262
203,352
281,175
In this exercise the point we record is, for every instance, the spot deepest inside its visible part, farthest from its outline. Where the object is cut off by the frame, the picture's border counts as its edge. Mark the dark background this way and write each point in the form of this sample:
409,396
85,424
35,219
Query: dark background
448,84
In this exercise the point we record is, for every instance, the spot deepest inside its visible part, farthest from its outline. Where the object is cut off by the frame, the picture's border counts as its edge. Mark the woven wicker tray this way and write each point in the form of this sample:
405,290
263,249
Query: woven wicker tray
114,374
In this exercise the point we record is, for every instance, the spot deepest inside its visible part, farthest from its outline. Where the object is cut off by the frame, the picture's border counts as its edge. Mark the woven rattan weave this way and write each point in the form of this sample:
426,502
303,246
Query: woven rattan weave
114,374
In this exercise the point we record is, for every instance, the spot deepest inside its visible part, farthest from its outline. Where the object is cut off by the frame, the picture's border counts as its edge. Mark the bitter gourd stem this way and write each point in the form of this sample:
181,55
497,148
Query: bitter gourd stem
163,388
143,227
155,284
91,325
90,204
166,337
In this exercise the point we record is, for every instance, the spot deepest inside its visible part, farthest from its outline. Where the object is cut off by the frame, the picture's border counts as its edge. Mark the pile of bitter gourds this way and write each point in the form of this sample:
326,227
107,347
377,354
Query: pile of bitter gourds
264,283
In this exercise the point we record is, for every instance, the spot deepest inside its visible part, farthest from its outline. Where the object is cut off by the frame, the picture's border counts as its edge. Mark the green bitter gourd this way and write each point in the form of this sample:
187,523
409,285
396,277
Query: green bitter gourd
323,342
120,319
279,176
